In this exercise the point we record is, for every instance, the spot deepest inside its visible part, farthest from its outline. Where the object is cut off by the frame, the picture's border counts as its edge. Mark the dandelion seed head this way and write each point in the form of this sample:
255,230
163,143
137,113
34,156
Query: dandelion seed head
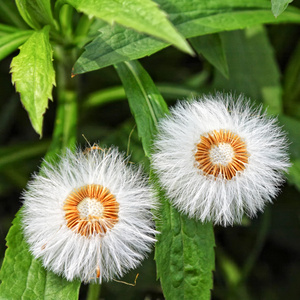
219,158
221,153
89,216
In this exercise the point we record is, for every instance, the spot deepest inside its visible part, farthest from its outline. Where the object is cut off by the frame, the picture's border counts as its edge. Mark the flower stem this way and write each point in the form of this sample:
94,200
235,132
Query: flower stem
64,134
93,291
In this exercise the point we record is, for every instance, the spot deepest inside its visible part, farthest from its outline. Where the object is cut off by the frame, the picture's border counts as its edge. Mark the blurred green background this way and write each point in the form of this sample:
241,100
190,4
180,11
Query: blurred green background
256,260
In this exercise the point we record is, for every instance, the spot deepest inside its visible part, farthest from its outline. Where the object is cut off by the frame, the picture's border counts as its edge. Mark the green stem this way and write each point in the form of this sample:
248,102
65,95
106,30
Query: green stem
64,135
93,291
83,25
117,93
65,17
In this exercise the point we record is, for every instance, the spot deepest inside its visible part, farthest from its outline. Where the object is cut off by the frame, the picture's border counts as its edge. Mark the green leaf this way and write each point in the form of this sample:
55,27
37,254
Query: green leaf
33,74
141,15
30,280
104,96
211,47
11,42
191,17
144,100
185,248
6,29
279,6
117,93
22,276
251,72
36,13
184,255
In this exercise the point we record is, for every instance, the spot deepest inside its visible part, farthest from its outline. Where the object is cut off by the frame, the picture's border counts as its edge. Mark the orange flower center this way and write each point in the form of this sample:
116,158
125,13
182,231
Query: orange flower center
91,209
221,152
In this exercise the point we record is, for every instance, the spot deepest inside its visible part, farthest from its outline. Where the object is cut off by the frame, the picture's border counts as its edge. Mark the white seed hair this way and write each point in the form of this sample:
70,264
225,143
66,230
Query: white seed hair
217,199
70,254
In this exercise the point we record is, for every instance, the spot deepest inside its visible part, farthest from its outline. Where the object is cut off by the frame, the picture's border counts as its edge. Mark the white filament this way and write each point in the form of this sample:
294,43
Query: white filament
211,198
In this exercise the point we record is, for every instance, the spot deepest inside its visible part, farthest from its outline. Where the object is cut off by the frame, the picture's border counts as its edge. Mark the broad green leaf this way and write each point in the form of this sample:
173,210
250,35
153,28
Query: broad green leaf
36,13
278,6
34,76
141,15
22,276
11,42
191,17
210,46
144,100
184,255
253,70
185,248
291,86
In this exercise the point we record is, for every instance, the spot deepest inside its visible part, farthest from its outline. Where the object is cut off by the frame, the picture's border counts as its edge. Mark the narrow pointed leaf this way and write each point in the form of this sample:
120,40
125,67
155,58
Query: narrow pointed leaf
7,29
34,76
211,47
10,42
141,15
279,6
184,252
36,13
116,44
146,103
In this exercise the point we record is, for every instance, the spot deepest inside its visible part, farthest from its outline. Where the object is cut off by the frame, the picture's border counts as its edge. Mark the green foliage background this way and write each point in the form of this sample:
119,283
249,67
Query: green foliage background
185,49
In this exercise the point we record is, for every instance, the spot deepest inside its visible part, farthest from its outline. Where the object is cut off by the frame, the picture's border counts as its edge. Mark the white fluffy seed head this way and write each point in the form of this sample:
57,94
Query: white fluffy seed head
89,216
219,158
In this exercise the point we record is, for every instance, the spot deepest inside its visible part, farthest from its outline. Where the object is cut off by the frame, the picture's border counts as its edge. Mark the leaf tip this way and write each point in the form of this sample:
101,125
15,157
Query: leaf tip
188,49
